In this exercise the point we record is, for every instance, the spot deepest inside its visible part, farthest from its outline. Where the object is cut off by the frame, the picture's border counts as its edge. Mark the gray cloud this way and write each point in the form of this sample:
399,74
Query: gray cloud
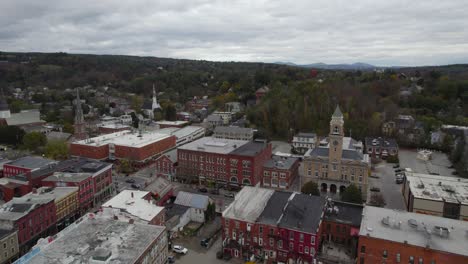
333,31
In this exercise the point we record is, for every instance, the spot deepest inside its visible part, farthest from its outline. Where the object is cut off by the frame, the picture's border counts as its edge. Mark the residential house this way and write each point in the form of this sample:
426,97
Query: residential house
302,142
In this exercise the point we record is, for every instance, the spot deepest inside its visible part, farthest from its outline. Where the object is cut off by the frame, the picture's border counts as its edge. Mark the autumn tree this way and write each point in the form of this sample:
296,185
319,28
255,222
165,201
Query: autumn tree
310,188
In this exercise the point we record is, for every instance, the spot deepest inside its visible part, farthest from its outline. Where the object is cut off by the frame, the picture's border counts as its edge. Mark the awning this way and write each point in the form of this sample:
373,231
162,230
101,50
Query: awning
354,231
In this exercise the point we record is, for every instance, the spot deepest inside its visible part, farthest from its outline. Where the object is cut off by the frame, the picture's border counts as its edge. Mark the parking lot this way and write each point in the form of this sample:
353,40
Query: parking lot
438,164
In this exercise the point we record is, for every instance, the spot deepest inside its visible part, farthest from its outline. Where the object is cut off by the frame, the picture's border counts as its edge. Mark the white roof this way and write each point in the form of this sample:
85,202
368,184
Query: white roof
248,204
436,187
124,138
214,145
136,205
421,230
171,123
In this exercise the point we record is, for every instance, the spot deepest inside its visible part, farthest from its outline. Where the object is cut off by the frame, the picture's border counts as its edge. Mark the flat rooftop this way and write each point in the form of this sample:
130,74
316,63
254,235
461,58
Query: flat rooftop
116,126
31,162
68,177
344,213
21,206
133,202
439,188
437,233
98,236
56,193
172,123
306,135
250,149
124,138
214,145
233,130
280,162
248,204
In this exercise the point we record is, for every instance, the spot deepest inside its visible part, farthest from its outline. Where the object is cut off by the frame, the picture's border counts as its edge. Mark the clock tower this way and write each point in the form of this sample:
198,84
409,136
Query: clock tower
336,144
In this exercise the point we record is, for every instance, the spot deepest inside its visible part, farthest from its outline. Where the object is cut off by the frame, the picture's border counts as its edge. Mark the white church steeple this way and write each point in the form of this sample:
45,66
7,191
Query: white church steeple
155,104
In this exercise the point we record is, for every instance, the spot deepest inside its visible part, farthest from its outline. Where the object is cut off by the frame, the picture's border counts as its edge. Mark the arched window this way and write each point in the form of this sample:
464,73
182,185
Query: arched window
246,182
336,130
234,179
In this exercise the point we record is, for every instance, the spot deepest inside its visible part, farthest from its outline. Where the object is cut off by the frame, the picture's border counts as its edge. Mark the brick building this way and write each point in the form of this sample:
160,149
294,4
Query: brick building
280,172
113,128
223,161
273,225
161,189
136,147
137,205
437,195
341,224
26,165
93,179
381,148
390,236
33,218
65,199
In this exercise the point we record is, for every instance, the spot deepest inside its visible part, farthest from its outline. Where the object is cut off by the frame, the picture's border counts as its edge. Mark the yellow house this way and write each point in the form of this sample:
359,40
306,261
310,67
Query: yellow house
66,201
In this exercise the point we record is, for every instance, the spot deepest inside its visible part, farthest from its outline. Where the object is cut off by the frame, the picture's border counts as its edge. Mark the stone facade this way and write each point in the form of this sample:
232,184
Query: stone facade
339,164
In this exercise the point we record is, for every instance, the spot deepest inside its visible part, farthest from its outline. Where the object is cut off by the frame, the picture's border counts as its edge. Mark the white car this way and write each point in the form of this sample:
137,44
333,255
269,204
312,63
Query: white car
179,249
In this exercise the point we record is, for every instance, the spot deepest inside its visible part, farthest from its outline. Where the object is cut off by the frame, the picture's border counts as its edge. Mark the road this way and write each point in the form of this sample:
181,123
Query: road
390,190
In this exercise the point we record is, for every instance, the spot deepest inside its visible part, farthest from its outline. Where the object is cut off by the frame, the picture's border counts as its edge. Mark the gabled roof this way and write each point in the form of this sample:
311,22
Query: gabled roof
192,200
248,204
274,208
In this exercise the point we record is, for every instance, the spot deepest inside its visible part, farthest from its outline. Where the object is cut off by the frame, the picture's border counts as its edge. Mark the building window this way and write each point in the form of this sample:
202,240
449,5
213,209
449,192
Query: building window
411,260
363,249
234,235
280,243
312,240
237,224
291,246
421,261
260,241
301,237
306,250
272,242
398,257
385,254
300,248
291,235
260,229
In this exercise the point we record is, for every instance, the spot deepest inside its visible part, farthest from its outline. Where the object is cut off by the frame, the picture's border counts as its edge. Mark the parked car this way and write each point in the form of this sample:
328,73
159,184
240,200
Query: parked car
179,249
205,242
399,170
130,180
135,186
203,190
399,180
375,189
396,166
170,259
229,195
214,191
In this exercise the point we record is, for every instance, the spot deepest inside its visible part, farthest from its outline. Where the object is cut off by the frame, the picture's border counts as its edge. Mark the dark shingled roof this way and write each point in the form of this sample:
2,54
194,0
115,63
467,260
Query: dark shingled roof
176,209
348,213
274,208
303,213
31,162
5,232
250,149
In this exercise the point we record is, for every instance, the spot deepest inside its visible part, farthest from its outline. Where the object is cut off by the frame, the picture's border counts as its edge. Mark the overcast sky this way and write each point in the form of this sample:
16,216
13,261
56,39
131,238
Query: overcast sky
394,32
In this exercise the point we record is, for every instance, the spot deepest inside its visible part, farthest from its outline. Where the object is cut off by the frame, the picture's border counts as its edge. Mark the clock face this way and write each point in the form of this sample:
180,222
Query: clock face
335,143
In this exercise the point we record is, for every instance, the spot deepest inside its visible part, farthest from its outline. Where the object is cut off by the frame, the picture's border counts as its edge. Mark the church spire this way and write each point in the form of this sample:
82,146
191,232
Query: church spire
79,118
155,104
4,108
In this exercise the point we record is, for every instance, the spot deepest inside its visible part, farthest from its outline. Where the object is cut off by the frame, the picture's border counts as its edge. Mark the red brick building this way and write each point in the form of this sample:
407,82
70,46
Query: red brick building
276,226
26,165
136,147
165,166
280,172
381,148
34,218
341,224
93,179
222,161
161,189
109,129
177,124
389,236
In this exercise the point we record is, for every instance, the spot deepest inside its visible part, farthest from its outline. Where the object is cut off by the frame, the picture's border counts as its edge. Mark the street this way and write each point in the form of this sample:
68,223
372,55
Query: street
388,188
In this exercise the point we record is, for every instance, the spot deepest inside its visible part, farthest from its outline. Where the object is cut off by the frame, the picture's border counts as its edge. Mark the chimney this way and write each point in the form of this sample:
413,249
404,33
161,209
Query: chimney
132,194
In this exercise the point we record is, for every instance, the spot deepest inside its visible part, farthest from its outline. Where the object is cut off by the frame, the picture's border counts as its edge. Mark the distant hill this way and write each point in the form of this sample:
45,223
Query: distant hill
320,65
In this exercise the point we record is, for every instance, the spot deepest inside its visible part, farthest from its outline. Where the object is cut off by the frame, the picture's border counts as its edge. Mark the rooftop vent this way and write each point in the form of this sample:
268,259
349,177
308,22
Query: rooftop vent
441,231
413,223
386,221
421,186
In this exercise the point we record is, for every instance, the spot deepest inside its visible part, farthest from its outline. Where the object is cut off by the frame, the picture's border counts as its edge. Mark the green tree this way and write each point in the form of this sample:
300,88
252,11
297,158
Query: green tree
56,149
352,195
310,188
125,166
34,141
68,128
137,102
11,135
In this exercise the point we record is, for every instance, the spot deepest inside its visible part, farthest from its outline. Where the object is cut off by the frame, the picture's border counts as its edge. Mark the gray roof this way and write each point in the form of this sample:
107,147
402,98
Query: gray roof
435,232
214,118
248,204
5,232
55,135
233,129
337,112
176,210
214,145
18,207
284,163
306,135
85,239
347,213
346,154
31,162
381,142
24,118
274,208
192,200
303,213
250,149
160,186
